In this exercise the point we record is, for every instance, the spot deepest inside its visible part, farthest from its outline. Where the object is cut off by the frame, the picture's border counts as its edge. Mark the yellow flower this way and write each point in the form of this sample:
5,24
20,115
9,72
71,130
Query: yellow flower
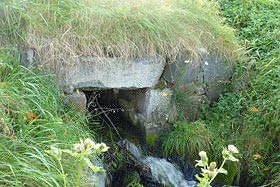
3,84
39,66
31,116
266,168
164,94
256,156
254,109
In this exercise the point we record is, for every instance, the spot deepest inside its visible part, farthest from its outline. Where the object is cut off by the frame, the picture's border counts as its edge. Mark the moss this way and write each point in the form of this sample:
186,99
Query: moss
152,138
160,85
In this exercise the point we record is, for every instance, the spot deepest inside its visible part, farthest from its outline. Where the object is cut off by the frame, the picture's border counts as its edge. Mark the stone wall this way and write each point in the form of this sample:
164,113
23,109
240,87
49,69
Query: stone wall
202,79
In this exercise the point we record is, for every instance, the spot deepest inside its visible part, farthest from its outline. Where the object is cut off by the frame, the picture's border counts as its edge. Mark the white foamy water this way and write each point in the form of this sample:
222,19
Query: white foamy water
133,149
166,173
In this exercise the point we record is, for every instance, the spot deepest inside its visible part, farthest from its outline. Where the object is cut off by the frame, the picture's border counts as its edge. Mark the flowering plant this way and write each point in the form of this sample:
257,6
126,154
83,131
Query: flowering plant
210,171
81,152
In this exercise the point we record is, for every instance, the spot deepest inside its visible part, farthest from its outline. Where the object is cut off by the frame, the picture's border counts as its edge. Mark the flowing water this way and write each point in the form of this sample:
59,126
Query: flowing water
166,173
133,149
163,171
159,171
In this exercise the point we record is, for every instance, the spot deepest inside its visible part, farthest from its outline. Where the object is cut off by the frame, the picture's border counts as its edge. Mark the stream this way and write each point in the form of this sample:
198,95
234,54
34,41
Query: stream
163,173
126,161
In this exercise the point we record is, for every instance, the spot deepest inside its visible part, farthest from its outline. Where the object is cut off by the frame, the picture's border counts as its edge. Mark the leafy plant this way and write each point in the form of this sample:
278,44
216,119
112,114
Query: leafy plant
134,184
82,152
248,115
210,171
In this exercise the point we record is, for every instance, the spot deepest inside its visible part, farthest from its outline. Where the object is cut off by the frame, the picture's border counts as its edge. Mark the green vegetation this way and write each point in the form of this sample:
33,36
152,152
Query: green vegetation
248,114
186,139
250,117
210,170
60,29
32,119
152,138
133,179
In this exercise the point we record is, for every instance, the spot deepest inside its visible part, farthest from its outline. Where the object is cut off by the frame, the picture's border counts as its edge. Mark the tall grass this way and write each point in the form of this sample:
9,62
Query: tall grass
61,29
187,139
32,118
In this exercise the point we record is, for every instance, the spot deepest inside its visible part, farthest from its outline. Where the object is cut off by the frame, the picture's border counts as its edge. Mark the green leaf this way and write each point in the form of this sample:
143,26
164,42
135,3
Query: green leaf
201,163
232,158
222,170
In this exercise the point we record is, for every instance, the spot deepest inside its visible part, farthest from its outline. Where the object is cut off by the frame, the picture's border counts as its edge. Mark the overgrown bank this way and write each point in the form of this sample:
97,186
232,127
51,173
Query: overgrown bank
248,114
61,29
36,129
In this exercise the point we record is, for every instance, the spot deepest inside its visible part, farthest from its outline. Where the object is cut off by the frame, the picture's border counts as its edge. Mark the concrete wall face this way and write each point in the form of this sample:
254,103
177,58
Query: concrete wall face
154,109
115,73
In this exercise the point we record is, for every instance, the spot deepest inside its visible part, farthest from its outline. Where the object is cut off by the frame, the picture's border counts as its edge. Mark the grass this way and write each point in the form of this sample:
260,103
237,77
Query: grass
248,113
248,116
32,118
187,139
63,30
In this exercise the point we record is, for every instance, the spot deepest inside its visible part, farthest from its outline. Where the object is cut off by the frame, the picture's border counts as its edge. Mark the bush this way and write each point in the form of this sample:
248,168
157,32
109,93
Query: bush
247,115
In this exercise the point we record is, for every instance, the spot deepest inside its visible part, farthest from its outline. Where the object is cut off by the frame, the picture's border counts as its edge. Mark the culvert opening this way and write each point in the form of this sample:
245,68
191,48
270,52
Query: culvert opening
116,113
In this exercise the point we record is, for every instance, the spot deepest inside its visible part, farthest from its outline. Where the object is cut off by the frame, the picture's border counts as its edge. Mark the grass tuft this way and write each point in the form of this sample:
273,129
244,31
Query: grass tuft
187,139
63,30
32,118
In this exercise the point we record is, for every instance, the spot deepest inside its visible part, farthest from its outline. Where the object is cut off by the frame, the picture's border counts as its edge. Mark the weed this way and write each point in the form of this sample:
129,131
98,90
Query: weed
81,153
248,114
210,171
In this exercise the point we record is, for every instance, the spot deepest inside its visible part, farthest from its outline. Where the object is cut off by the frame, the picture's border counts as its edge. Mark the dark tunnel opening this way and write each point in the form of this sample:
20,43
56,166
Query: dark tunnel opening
112,112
